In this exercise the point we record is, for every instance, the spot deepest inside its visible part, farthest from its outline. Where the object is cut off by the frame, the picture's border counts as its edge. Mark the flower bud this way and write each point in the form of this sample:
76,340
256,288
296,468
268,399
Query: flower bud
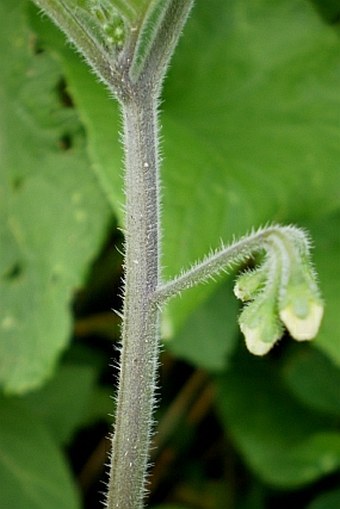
300,306
260,325
249,283
282,291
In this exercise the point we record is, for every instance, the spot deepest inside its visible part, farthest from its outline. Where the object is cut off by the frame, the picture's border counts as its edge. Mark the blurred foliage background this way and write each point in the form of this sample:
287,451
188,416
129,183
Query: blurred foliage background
251,134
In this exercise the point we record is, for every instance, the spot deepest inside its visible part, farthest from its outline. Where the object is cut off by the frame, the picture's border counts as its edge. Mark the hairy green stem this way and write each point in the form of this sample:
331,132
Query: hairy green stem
70,23
140,336
219,261
154,59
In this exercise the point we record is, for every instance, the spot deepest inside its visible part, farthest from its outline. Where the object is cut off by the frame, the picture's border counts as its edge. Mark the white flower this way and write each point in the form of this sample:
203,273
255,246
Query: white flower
305,328
254,340
300,304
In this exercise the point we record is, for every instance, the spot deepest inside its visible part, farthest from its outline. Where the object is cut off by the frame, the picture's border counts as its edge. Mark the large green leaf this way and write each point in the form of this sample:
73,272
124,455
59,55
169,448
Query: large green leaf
209,336
315,380
32,471
284,443
52,215
325,233
63,403
250,119
97,109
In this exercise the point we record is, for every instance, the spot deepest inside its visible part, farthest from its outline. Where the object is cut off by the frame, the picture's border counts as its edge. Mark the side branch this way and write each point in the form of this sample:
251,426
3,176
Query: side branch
281,291
158,38
220,261
70,22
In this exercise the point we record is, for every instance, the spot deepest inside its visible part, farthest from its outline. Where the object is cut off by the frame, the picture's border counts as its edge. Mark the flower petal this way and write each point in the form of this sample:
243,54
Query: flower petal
303,329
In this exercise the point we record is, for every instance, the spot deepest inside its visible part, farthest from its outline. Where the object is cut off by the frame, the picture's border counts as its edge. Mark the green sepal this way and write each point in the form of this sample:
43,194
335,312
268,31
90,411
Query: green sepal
249,283
260,324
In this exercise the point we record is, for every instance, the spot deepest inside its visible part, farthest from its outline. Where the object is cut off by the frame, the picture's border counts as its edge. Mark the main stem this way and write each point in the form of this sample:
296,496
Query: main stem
140,335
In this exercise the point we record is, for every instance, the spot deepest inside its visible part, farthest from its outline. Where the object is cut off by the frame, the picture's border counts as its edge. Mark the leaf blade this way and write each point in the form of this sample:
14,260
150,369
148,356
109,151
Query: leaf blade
52,219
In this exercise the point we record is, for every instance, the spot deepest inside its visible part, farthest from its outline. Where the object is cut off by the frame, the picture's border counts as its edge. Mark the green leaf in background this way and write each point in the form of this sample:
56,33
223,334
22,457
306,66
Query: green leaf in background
63,402
52,215
32,471
330,500
315,380
206,339
97,110
284,443
325,233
